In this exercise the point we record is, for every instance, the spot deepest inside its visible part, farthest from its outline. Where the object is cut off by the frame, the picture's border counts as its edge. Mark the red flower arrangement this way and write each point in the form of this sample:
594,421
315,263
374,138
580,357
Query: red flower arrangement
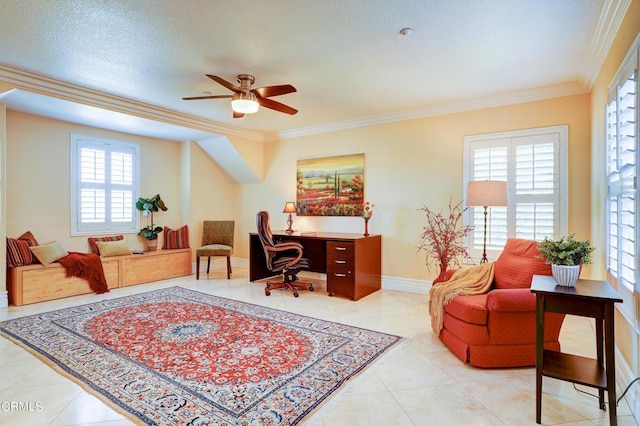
442,237
367,210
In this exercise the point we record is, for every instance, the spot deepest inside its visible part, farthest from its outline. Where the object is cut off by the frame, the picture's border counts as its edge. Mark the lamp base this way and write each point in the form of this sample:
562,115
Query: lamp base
290,230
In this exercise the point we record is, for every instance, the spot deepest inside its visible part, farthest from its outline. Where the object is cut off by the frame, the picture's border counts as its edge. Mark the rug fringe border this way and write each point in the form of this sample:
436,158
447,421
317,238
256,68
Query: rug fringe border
369,367
76,380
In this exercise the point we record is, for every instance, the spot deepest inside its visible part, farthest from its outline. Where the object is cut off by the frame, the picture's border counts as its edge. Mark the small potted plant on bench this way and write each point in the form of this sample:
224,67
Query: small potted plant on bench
148,206
566,257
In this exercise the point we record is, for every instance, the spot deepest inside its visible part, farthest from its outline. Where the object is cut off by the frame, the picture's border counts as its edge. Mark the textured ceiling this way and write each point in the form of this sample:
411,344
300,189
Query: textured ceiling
346,57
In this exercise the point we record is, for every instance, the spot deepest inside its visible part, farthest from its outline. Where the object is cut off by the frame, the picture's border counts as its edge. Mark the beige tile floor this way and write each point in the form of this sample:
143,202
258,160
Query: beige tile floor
418,382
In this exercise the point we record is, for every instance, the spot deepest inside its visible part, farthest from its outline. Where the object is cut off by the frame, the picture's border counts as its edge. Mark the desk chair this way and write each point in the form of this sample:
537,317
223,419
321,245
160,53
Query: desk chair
217,240
283,258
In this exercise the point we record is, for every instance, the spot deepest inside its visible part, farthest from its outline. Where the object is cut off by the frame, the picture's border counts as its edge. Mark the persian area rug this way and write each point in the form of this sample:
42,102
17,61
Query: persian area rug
177,356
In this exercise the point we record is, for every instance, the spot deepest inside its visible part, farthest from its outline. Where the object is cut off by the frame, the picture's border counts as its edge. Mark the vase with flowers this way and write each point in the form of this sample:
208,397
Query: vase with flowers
442,238
367,212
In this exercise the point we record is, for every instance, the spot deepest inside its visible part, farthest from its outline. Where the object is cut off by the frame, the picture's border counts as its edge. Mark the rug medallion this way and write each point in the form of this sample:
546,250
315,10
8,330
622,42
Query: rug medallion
178,356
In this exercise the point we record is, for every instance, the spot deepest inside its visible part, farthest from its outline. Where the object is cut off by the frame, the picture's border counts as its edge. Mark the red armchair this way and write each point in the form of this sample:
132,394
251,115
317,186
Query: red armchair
498,328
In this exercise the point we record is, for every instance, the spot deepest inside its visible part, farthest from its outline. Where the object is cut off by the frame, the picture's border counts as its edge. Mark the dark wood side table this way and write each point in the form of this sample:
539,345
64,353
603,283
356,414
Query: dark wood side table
587,298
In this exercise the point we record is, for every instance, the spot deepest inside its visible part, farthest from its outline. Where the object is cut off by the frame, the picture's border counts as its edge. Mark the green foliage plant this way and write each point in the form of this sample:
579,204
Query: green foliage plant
148,206
566,251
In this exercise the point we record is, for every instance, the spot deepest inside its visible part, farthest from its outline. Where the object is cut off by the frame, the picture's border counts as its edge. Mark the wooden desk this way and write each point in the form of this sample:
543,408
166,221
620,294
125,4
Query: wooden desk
352,262
588,298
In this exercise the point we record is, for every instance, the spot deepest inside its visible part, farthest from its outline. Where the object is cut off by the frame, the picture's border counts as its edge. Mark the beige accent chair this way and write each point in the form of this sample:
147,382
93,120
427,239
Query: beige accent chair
217,240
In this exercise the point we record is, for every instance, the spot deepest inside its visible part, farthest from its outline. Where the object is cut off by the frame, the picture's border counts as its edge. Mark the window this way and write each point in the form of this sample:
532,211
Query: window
622,181
104,186
530,162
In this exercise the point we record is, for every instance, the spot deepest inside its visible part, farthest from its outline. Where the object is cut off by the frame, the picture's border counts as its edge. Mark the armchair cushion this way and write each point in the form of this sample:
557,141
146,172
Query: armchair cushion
518,263
511,300
470,309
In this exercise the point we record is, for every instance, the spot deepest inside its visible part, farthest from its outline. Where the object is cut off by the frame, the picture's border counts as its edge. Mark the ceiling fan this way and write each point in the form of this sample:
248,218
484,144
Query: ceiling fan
246,100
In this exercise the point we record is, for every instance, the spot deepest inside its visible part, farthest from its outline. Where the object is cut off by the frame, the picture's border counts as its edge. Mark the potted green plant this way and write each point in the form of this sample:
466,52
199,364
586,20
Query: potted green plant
148,206
566,257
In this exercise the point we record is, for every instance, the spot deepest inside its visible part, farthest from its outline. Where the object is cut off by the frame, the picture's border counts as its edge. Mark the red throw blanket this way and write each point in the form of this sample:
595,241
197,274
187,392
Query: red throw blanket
87,266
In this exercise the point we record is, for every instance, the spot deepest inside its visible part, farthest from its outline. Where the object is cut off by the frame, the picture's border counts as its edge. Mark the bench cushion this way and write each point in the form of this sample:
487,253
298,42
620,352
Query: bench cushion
93,240
19,252
175,238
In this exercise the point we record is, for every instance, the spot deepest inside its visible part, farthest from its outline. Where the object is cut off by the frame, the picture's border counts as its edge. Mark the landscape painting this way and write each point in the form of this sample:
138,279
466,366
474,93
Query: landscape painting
330,186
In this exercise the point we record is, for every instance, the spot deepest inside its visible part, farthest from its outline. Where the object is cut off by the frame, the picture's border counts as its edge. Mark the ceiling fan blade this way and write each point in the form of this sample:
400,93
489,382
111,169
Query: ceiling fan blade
267,91
207,97
271,104
237,115
225,83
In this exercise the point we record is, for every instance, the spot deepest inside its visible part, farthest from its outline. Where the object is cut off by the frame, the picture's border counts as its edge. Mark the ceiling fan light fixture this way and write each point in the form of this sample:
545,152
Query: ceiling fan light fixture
245,103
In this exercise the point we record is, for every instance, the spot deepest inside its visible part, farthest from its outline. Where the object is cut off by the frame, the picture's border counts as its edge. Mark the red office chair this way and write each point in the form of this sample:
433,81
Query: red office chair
283,258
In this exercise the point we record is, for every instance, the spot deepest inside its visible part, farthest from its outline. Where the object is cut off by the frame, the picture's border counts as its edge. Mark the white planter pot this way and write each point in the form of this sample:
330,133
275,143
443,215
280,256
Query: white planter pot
564,275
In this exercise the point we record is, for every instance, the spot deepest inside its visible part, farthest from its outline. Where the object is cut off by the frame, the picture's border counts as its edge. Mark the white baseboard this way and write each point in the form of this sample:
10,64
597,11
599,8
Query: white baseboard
220,262
624,376
4,299
407,285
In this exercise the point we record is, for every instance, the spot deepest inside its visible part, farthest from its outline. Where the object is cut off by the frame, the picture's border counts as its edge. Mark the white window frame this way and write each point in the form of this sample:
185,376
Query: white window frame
506,139
630,295
78,142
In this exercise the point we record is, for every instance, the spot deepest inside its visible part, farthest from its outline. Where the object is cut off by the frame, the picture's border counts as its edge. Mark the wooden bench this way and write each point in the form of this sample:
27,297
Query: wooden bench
38,283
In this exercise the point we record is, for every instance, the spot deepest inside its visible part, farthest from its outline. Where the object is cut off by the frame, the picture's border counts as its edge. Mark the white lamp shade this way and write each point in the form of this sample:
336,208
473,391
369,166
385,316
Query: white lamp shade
245,103
487,193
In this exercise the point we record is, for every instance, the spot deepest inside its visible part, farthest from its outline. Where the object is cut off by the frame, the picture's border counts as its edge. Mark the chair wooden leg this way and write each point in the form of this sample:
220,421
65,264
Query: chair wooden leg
197,267
228,267
208,263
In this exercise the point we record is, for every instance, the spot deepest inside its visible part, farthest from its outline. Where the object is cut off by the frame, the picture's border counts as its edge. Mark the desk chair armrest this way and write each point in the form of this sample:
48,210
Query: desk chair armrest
289,244
281,247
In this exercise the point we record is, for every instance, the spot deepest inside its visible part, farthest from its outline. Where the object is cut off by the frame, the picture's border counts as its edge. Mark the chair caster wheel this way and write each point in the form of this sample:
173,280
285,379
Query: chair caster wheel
330,294
295,294
267,293
310,288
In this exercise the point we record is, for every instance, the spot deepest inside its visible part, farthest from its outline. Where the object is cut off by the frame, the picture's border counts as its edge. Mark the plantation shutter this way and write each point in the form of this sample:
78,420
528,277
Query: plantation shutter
529,161
622,171
104,179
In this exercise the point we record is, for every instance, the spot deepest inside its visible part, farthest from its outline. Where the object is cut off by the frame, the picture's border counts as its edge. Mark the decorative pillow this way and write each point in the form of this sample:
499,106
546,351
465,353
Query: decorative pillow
94,240
175,239
518,263
48,253
18,253
113,248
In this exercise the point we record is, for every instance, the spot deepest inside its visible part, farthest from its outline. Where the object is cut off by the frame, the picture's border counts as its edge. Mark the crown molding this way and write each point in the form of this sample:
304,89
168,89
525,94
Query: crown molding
85,96
609,21
556,91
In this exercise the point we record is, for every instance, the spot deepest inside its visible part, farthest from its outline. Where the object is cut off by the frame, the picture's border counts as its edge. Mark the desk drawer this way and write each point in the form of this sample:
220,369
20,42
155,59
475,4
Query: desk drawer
340,268
340,257
339,249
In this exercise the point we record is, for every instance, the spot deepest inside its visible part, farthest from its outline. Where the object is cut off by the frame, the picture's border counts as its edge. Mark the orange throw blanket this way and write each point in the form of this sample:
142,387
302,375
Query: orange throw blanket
473,280
87,266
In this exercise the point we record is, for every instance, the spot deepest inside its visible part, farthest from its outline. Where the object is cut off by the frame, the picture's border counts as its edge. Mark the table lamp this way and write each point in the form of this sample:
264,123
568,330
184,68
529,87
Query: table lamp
290,207
486,193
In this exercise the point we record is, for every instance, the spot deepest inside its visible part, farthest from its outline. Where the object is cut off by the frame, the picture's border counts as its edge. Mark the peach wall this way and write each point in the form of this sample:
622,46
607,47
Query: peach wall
214,196
38,186
412,163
